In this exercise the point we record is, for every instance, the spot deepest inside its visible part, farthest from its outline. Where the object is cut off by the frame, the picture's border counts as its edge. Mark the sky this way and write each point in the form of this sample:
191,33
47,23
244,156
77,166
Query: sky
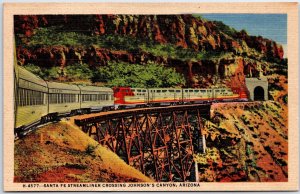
271,26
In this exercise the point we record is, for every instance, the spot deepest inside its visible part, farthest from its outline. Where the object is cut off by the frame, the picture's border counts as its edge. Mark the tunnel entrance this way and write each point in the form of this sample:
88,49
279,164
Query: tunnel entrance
259,93
257,87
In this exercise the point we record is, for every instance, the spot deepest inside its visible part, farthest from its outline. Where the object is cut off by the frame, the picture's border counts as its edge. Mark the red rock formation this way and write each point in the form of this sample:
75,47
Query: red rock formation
25,24
183,31
252,148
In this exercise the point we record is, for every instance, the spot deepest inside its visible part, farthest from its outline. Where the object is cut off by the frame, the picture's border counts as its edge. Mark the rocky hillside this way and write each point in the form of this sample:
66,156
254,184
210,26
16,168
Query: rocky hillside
204,52
61,152
246,142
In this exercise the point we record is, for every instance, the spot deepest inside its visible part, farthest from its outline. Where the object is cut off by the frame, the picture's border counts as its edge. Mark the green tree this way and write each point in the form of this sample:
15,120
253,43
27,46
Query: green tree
34,69
78,72
51,74
134,75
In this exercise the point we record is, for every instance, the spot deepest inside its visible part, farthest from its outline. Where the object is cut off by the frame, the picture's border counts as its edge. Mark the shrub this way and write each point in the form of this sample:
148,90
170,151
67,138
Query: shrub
45,73
34,69
285,99
51,74
78,72
90,149
226,29
134,75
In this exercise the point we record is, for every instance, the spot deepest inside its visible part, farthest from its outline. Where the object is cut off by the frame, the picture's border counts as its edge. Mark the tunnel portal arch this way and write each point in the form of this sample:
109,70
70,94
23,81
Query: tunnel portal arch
259,93
258,88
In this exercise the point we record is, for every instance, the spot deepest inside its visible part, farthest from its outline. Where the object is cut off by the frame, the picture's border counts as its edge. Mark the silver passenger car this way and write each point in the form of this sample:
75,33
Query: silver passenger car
31,97
96,98
63,98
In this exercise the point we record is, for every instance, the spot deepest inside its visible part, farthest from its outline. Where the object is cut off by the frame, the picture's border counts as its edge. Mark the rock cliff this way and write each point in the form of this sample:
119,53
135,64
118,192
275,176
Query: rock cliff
245,142
229,55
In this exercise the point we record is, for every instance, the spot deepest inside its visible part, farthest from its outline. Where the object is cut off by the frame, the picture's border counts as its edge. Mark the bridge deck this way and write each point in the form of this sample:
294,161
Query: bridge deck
96,117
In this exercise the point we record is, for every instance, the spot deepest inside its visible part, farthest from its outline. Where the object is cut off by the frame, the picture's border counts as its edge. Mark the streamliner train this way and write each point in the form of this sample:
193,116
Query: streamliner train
127,97
38,101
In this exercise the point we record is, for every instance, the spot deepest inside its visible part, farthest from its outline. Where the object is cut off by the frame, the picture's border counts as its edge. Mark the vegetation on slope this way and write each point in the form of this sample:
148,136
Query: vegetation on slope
115,74
246,142
181,41
55,35
72,72
61,152
134,75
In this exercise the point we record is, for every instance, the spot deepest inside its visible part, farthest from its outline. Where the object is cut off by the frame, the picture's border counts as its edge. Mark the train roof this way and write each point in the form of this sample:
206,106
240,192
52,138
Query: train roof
95,88
63,86
139,88
24,74
164,88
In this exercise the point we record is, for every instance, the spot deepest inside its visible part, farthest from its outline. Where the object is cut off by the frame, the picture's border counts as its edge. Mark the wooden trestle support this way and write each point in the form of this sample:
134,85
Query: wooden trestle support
156,141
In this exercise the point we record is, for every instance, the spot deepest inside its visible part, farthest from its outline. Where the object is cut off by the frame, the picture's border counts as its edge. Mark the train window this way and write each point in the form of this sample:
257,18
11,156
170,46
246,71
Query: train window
164,91
217,90
186,90
144,91
51,98
171,90
178,91
28,97
67,98
21,97
203,91
58,98
196,91
191,90
158,91
139,90
133,90
32,97
222,90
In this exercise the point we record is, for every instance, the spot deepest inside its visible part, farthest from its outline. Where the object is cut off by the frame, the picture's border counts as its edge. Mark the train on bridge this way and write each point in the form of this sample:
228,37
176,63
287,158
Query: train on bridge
38,101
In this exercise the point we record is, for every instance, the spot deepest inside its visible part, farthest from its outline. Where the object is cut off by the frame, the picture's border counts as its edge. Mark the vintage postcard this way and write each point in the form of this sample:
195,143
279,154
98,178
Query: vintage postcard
150,97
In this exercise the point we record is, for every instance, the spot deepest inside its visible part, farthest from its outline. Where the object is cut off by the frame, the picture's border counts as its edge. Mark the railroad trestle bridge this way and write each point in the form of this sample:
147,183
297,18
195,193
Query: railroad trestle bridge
158,141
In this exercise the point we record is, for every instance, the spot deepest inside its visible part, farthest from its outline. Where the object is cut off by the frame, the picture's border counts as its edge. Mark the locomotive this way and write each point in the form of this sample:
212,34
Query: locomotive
126,97
38,101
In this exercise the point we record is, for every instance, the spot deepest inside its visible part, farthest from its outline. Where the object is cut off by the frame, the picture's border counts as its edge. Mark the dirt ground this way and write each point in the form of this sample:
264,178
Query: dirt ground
61,152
